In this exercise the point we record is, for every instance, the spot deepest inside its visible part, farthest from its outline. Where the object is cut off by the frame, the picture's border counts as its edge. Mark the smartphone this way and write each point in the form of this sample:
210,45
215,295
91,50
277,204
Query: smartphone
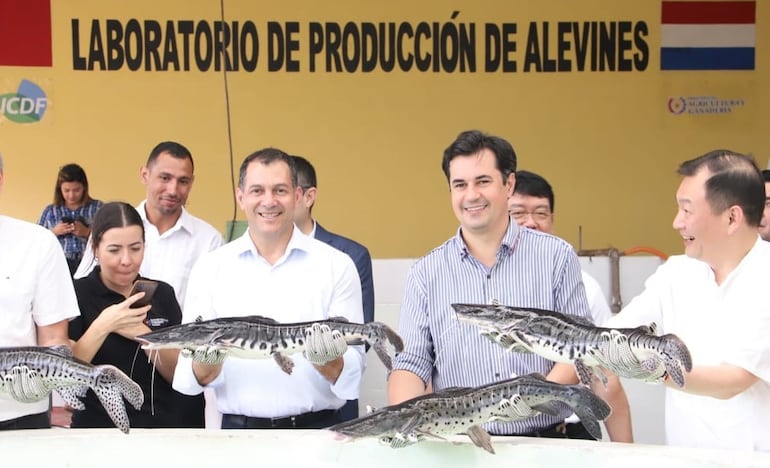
67,220
148,287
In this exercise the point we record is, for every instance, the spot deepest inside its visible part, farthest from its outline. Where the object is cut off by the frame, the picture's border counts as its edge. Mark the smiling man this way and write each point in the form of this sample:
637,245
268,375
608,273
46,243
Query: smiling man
174,237
490,259
716,299
276,271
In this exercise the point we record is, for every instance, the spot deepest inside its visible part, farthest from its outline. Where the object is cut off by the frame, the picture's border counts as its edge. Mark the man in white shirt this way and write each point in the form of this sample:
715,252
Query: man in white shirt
174,238
716,299
275,271
36,301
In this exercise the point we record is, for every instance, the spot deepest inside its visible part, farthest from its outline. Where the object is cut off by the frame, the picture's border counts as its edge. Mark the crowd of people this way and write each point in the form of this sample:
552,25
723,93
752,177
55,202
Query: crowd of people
291,269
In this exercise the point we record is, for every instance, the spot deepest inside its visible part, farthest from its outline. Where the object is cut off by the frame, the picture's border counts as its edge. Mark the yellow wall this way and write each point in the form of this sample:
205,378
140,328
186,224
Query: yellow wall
605,140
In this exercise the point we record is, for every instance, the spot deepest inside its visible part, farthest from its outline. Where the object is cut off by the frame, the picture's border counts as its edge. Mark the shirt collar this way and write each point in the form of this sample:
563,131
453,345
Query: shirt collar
185,220
507,246
298,242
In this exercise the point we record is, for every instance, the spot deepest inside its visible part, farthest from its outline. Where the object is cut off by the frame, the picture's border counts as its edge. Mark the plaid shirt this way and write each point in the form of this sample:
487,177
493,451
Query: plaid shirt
72,245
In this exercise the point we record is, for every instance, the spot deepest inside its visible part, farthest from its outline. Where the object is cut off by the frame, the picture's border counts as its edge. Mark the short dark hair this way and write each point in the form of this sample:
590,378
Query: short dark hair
735,180
306,177
176,150
472,141
267,156
70,173
534,185
766,175
114,215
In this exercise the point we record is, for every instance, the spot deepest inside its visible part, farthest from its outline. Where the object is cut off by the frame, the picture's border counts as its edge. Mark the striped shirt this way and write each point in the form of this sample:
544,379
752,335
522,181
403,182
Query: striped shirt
533,269
72,245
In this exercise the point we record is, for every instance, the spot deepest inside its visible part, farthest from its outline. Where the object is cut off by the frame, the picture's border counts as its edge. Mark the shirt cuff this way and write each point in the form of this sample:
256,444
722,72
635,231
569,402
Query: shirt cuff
185,380
348,383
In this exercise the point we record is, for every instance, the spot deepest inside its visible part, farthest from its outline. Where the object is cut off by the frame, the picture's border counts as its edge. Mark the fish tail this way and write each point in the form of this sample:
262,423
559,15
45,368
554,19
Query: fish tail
379,330
590,409
112,385
382,353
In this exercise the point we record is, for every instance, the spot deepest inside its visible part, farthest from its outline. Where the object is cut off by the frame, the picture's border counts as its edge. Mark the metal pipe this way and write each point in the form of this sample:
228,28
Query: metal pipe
616,303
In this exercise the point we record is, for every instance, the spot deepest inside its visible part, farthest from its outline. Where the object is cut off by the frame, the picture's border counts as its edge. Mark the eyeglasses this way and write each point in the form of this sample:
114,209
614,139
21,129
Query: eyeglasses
537,215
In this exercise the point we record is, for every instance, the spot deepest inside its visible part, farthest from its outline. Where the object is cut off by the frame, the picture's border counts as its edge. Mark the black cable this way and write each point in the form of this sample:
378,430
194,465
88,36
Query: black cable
229,235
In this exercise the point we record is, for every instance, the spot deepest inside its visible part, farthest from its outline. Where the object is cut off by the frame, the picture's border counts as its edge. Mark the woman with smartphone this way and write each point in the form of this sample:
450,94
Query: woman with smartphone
116,306
71,213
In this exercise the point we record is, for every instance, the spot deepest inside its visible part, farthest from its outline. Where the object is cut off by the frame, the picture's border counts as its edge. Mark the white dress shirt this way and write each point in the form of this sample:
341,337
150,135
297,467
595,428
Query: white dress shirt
727,323
35,290
169,256
312,281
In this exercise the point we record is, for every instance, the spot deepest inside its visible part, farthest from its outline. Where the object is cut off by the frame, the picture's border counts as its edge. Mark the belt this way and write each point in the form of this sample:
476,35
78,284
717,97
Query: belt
313,420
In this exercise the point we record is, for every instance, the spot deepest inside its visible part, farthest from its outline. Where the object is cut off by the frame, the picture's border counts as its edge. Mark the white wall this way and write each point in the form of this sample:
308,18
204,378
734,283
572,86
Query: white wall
646,400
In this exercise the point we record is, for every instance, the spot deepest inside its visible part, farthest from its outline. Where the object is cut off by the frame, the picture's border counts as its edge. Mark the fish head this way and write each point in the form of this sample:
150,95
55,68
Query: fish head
187,335
476,314
487,315
676,357
385,422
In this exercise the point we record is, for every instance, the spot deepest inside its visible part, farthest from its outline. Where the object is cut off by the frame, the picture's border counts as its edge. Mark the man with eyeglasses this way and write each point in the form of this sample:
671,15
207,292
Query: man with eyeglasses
532,205
764,225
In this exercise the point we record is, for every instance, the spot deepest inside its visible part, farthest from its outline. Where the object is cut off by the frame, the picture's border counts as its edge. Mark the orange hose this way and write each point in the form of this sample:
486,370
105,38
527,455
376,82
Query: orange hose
642,249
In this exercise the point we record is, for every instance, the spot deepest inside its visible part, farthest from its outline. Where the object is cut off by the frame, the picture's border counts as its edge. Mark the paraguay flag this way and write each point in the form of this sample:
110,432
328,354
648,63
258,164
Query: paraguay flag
707,35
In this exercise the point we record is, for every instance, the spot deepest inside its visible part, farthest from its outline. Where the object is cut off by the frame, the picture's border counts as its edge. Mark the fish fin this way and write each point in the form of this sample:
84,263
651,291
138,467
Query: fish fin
61,351
338,318
646,329
452,389
587,405
523,341
593,428
111,387
550,407
481,438
382,353
537,375
583,371
431,435
284,362
393,338
261,319
70,395
583,321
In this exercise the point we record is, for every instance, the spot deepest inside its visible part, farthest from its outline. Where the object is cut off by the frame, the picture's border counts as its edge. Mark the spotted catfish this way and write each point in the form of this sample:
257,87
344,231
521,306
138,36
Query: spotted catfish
29,374
635,353
463,410
256,337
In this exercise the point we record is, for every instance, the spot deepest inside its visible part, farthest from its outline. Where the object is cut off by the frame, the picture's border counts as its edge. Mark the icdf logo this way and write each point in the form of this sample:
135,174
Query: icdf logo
27,105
